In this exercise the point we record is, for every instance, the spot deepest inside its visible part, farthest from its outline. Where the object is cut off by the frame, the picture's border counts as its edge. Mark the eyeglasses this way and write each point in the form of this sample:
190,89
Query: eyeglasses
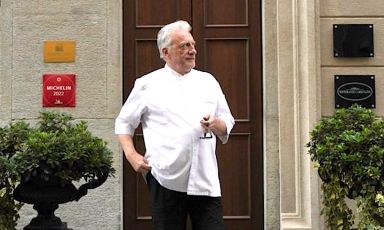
187,45
207,135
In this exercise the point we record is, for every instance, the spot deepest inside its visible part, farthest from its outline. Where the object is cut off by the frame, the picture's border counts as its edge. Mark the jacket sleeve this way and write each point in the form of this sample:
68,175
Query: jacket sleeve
223,112
130,114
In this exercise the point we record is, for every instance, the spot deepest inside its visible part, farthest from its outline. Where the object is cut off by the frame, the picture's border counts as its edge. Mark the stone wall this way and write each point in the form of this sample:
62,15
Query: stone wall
350,12
95,26
299,67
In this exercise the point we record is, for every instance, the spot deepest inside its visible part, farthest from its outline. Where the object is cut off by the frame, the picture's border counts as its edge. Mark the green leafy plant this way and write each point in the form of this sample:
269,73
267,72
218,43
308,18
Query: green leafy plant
348,150
11,137
56,147
60,147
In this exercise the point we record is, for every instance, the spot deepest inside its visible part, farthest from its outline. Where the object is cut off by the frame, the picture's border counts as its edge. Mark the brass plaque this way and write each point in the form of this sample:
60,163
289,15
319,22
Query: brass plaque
59,51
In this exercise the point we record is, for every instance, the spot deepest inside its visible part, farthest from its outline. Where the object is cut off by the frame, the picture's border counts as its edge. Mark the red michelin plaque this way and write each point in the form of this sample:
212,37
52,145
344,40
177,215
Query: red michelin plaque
59,90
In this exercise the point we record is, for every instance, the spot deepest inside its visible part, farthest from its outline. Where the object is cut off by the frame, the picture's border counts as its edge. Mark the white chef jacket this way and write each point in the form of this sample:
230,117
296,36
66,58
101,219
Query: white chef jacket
170,107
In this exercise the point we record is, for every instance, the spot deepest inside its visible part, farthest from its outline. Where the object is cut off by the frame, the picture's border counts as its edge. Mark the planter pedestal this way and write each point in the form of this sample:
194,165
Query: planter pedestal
46,219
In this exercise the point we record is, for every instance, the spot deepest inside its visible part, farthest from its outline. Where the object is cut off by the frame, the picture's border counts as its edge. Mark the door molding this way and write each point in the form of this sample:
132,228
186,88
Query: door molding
291,107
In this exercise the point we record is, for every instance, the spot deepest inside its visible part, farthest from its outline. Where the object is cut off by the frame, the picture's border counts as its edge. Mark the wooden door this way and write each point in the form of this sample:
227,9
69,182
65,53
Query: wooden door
228,39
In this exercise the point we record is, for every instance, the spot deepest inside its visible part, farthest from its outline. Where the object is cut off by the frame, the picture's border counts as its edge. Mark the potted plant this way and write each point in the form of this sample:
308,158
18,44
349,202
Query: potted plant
54,153
10,138
348,151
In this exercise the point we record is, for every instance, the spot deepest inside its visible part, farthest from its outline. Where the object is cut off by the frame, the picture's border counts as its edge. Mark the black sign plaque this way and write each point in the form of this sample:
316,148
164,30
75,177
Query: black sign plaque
355,89
353,40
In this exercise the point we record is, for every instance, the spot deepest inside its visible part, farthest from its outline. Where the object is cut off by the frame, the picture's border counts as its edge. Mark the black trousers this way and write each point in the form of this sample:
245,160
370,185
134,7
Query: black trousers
171,208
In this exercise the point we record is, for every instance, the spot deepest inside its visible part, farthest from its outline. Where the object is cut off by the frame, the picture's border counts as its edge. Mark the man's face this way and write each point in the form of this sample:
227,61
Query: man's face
181,55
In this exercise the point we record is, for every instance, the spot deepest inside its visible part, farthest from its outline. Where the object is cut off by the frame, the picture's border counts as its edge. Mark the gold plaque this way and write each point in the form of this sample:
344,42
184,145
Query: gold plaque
59,51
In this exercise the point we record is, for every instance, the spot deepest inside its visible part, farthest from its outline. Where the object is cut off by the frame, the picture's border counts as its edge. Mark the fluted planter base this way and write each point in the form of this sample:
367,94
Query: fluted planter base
46,219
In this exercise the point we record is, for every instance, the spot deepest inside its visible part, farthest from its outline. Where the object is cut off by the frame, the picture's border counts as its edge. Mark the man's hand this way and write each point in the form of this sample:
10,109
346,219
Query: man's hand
216,125
137,161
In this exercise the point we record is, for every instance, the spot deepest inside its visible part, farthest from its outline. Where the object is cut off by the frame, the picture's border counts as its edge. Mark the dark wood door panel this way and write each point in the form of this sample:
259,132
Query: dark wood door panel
234,172
151,13
225,13
227,60
230,41
147,56
142,19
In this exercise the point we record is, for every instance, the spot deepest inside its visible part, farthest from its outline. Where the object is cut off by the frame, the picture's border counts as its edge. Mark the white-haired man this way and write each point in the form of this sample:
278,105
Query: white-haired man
182,111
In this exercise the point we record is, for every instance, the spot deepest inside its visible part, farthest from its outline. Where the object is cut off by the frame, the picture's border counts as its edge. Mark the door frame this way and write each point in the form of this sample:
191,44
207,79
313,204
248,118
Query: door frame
270,115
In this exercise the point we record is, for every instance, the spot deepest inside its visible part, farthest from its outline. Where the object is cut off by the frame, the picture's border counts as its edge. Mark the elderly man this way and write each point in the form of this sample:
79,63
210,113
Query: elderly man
182,112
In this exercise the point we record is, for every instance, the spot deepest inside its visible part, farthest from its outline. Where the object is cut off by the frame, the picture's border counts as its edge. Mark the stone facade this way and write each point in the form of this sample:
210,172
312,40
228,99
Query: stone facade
350,12
95,26
305,72
298,70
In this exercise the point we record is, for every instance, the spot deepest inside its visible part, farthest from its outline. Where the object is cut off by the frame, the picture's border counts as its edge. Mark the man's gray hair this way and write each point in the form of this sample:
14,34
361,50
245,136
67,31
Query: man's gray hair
163,38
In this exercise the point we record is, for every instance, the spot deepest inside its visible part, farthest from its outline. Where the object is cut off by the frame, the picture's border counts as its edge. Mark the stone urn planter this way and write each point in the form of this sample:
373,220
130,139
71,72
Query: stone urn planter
47,193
